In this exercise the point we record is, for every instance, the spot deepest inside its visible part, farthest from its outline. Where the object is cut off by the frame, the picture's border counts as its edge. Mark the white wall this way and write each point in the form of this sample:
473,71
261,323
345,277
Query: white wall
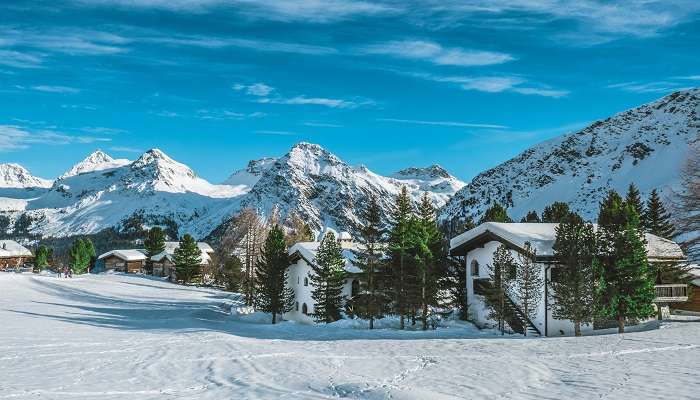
302,294
477,308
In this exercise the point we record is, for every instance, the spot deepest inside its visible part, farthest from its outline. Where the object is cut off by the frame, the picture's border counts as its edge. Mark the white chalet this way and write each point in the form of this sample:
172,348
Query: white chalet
302,256
478,245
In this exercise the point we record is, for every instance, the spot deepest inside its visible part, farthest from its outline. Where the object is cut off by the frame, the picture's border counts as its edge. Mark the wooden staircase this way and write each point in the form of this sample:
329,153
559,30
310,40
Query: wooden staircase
515,318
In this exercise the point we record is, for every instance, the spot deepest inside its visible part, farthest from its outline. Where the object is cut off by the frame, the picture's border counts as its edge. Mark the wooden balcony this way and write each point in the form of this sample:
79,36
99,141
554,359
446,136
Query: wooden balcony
673,293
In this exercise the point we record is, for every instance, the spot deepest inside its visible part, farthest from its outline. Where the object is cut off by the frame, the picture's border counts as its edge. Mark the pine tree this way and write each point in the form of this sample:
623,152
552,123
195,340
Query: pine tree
42,257
273,295
230,274
555,212
501,276
625,287
429,255
573,288
398,247
327,280
187,258
90,255
370,303
528,282
495,213
531,217
657,220
81,254
634,199
154,244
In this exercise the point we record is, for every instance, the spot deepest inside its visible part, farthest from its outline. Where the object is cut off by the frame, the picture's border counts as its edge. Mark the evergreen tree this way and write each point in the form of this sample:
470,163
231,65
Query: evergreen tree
531,217
573,281
555,212
231,274
370,303
187,258
81,255
272,293
41,258
398,248
528,282
429,254
657,220
501,275
154,244
634,199
625,287
327,280
495,213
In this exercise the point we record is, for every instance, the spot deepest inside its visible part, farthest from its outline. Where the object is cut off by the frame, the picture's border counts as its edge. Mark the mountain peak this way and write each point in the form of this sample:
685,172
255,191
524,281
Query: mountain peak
16,176
96,161
250,175
433,171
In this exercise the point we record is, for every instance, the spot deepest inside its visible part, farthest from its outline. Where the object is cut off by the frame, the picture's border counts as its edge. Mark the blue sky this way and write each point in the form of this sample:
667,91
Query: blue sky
389,84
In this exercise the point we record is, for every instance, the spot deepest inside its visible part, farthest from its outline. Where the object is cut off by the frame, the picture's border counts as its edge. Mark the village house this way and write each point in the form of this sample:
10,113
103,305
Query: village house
13,255
302,257
477,247
164,262
130,261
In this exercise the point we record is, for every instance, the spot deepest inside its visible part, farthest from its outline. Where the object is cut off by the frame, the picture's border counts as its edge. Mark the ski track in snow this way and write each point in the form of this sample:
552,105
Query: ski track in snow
116,337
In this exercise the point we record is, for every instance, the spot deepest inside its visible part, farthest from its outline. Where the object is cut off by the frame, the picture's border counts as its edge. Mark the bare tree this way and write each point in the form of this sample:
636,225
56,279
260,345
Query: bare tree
297,230
686,204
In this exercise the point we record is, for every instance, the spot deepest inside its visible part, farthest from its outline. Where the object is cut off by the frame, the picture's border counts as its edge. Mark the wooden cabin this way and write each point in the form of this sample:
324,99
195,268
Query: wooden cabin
130,261
13,255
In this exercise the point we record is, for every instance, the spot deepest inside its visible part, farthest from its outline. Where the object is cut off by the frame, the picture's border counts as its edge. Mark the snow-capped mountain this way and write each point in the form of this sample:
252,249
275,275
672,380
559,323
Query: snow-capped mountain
17,177
250,175
97,161
646,145
100,193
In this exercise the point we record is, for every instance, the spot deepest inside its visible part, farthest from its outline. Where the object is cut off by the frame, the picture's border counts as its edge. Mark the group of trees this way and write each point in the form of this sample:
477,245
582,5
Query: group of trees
82,256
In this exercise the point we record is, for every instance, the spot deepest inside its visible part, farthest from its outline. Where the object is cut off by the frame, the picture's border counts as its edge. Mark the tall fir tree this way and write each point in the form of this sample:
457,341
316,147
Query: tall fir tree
625,288
187,259
81,255
531,217
371,302
231,274
90,254
555,212
273,295
573,283
495,213
501,276
398,261
42,257
327,280
430,255
529,282
657,220
634,199
154,244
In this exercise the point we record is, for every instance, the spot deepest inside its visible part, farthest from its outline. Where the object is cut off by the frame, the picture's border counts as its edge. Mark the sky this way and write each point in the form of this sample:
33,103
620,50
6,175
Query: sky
466,84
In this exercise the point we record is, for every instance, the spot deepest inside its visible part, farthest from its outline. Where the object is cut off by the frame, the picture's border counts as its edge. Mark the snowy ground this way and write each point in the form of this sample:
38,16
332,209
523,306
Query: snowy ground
116,337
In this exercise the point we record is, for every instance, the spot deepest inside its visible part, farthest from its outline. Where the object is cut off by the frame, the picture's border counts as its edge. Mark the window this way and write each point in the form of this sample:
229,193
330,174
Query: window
306,281
304,309
296,306
475,268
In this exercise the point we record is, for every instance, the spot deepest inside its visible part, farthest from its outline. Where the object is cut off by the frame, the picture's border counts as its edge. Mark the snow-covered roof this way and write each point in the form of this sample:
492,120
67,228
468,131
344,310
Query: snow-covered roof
542,236
10,248
170,247
307,251
127,255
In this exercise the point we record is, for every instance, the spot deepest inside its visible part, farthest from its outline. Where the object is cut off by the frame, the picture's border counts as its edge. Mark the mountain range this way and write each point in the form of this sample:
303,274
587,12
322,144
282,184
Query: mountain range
646,145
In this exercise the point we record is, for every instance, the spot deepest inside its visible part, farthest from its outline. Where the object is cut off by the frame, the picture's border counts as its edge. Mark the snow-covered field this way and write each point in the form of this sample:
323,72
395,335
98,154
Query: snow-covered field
129,337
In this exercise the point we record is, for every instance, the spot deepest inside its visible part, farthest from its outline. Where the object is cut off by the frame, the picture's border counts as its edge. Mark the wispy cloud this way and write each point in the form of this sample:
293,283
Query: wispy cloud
265,94
437,54
516,135
321,124
663,86
55,89
16,137
443,123
492,84
101,130
252,44
256,89
66,41
126,149
222,114
18,59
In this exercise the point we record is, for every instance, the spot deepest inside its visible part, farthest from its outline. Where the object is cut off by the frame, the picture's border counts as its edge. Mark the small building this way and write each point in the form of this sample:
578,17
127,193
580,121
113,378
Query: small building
13,255
130,261
302,257
477,247
164,262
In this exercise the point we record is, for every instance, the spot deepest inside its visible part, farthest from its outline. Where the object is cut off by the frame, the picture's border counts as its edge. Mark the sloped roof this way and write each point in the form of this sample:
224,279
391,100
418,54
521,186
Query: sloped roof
542,236
10,248
127,255
307,251
170,247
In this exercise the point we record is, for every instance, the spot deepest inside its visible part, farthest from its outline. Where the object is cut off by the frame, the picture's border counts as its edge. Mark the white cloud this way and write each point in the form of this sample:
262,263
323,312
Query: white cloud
648,87
18,59
493,84
15,137
66,41
319,101
126,149
322,124
435,53
444,123
256,89
55,89
220,114
253,44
